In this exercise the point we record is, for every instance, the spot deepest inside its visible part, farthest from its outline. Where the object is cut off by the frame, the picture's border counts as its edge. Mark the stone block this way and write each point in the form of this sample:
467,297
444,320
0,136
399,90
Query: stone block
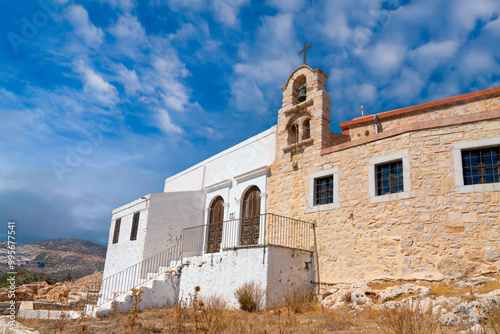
470,217
491,254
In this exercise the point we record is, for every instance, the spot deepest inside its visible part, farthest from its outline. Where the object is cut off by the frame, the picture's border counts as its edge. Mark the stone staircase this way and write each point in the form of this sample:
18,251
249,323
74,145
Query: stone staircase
157,288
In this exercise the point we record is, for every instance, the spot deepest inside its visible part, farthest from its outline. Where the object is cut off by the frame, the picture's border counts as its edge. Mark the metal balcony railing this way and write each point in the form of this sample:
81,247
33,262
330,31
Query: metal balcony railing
265,230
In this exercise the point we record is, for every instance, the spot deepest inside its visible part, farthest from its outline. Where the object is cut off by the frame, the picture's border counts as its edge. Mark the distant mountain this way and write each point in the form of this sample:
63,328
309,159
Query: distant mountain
57,257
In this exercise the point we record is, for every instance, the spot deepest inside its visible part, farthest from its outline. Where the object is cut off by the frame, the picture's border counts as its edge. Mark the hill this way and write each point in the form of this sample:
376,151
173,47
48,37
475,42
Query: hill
58,256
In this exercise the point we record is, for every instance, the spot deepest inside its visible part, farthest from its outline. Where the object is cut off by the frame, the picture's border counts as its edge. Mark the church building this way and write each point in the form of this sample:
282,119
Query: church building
412,193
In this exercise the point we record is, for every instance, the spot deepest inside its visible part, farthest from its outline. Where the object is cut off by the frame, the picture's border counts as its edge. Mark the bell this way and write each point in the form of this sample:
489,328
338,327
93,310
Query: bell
302,93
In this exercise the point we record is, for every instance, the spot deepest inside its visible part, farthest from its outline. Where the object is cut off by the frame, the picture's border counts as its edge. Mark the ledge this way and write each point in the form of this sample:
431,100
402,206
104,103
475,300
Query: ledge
298,145
299,106
218,185
449,121
252,173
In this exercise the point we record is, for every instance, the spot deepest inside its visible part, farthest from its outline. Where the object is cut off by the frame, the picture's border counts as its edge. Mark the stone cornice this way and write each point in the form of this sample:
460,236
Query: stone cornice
298,145
298,107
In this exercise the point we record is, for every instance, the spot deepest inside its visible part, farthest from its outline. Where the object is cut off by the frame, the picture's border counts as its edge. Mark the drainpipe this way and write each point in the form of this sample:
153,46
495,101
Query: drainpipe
375,119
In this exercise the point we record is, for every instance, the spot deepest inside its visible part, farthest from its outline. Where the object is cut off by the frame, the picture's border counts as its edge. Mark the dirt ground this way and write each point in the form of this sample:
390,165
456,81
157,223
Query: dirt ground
368,321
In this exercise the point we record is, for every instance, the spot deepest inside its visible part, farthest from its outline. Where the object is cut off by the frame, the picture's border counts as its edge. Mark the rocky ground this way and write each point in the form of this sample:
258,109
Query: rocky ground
65,294
467,306
464,303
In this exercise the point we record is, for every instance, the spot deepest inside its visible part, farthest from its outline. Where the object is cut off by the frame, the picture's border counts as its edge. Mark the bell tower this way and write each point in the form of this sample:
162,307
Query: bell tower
304,118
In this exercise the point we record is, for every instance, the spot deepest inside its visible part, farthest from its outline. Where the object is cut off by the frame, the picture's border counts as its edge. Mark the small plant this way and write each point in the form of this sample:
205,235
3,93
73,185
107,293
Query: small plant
134,312
300,299
249,296
347,297
114,304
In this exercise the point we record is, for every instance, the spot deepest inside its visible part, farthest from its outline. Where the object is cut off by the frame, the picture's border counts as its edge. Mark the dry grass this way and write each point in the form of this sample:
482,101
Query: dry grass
300,299
410,318
250,296
492,324
163,321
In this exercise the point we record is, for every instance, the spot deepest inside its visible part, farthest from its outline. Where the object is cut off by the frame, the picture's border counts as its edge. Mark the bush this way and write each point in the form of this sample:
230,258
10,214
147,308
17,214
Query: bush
300,299
249,296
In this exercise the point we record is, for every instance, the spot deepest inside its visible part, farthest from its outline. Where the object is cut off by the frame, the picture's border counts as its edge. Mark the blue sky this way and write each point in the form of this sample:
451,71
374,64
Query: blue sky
101,100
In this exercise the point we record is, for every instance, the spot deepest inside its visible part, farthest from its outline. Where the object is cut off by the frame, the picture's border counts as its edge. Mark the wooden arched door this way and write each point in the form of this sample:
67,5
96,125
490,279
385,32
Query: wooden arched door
215,225
250,220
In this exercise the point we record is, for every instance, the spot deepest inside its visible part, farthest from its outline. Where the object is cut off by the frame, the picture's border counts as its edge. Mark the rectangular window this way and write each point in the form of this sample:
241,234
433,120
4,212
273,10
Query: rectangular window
116,234
323,190
389,178
481,166
135,225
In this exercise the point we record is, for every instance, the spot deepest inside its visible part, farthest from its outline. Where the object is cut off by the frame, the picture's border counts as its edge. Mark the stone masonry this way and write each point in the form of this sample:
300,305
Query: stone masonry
435,233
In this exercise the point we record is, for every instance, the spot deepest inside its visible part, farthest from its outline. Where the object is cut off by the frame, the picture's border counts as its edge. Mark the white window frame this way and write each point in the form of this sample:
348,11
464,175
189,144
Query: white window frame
404,156
312,207
458,173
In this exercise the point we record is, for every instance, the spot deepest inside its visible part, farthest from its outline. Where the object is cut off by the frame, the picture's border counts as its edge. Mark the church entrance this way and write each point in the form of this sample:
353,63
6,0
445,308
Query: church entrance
250,220
215,225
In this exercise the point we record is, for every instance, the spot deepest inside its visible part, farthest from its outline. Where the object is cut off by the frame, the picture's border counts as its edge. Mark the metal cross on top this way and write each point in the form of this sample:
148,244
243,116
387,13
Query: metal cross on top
304,51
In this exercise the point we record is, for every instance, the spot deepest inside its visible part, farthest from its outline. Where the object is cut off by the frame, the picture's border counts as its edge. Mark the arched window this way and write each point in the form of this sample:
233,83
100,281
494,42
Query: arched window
306,129
299,86
293,134
215,225
250,218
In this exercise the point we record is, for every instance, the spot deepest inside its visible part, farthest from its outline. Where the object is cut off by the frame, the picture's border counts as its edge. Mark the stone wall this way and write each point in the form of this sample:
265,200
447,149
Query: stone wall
434,233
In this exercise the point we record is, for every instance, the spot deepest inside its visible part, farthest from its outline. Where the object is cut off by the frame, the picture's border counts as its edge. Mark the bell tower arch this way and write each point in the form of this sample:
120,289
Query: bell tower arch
304,118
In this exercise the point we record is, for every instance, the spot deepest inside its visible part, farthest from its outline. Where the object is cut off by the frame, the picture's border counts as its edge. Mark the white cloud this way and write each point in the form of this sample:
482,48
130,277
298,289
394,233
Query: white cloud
124,5
441,50
193,5
367,92
226,11
166,124
493,27
223,11
79,18
406,87
337,29
94,85
128,28
477,61
384,57
128,78
428,56
286,5
254,84
466,13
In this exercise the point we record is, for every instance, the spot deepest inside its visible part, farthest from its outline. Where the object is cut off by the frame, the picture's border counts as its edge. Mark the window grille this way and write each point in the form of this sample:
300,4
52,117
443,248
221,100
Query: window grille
389,178
481,166
323,190
116,234
135,225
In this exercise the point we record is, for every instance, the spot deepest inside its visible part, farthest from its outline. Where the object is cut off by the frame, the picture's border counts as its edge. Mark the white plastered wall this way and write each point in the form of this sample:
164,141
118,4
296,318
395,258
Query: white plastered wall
126,252
169,214
220,274
162,218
